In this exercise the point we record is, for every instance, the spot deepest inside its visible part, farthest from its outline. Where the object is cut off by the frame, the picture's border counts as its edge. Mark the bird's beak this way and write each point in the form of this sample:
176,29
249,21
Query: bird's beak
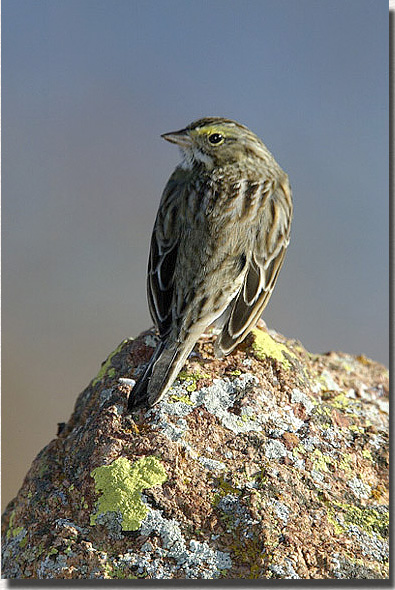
181,138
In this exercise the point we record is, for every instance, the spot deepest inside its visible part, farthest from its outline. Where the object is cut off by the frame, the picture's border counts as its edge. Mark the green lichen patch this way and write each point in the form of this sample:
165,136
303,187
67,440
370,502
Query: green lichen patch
11,524
265,346
340,401
320,461
322,416
106,369
191,379
19,533
366,454
223,488
121,484
346,463
180,398
369,519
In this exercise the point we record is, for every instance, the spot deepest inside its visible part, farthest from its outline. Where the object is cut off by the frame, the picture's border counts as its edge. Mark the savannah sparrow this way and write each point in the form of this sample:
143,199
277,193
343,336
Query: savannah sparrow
217,247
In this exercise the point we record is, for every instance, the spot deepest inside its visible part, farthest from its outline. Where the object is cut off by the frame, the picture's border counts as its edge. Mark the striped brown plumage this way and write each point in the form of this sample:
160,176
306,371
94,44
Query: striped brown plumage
217,246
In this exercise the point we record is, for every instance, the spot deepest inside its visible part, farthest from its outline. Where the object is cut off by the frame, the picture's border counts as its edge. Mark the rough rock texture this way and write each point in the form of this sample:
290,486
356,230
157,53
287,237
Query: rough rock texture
270,463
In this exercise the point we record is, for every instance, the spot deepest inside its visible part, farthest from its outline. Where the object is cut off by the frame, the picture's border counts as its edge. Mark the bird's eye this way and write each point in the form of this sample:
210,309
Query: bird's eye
215,138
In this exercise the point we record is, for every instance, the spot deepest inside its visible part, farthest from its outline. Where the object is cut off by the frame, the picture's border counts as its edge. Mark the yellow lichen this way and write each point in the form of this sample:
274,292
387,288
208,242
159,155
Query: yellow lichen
368,519
336,525
180,398
340,401
355,428
191,379
345,463
320,461
265,346
121,484
299,450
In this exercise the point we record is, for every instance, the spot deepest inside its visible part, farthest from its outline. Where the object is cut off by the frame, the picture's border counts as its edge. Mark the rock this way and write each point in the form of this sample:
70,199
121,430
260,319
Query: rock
270,463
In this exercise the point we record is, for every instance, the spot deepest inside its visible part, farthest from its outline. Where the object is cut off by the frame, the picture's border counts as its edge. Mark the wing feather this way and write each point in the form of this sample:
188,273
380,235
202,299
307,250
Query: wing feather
267,258
162,262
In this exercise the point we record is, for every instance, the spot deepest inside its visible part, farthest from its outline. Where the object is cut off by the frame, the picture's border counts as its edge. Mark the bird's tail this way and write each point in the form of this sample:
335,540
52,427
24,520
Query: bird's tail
159,374
138,397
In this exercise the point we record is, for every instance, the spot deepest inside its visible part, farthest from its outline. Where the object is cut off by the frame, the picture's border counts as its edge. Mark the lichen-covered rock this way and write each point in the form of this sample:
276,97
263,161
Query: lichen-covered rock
270,463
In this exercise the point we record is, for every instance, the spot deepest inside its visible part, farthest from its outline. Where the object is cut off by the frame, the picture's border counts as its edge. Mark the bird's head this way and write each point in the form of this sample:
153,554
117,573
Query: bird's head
215,141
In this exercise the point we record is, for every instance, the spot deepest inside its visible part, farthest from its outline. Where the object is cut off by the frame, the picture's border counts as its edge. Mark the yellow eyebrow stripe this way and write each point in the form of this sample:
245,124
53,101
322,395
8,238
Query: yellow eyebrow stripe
208,129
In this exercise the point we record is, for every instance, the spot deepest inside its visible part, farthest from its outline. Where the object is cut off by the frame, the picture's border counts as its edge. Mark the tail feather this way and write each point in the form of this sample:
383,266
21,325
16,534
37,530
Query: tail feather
138,396
166,369
159,375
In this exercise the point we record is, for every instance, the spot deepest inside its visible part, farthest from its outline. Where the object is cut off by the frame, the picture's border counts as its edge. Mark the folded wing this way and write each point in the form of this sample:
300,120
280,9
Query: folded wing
267,258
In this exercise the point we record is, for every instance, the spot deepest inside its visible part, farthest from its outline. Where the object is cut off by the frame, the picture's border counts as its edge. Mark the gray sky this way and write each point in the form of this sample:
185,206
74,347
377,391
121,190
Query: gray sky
89,86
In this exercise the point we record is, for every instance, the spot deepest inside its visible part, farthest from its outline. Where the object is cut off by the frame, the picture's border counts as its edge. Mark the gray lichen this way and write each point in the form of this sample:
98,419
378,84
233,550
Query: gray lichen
196,558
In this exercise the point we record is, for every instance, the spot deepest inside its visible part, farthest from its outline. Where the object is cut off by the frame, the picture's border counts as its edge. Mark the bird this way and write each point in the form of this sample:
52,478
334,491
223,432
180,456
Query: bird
217,246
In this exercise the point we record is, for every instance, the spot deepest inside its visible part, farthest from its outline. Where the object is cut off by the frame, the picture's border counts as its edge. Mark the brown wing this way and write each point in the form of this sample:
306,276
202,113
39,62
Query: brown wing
162,260
267,258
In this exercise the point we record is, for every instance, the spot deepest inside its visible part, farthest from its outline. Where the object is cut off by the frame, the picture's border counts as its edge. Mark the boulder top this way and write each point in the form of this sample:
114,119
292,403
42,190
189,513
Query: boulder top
269,463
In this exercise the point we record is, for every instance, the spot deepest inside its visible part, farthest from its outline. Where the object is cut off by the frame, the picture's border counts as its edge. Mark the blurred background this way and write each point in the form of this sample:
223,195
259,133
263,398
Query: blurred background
88,87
